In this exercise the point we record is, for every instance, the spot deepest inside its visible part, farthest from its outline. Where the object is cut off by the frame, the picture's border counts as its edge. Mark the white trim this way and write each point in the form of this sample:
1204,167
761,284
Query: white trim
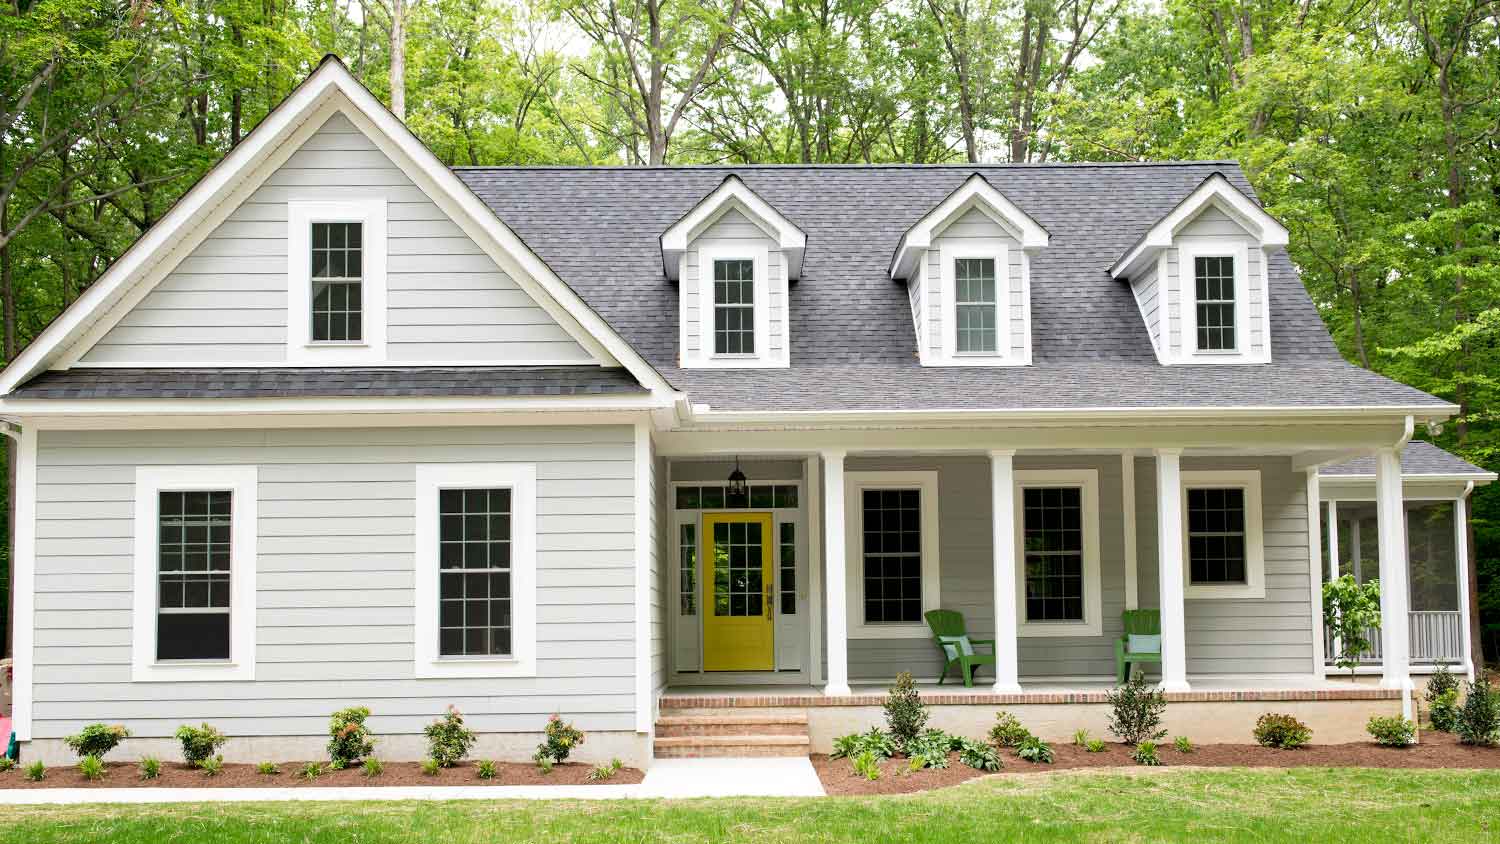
814,513
1395,573
1255,540
1315,576
1093,414
1003,566
949,252
835,560
976,192
430,479
644,698
763,358
1461,546
301,215
241,481
1127,510
1086,480
1218,192
1188,250
732,193
23,602
855,484
1172,573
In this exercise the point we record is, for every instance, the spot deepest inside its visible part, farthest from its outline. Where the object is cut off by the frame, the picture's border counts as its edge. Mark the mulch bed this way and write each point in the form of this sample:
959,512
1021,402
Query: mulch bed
179,775
1436,750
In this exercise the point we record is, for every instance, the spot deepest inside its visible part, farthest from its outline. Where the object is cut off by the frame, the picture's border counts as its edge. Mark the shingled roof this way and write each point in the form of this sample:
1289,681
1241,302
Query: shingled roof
1418,458
853,346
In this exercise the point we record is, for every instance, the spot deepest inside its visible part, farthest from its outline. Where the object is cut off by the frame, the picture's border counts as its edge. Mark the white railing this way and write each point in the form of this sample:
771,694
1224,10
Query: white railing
1437,636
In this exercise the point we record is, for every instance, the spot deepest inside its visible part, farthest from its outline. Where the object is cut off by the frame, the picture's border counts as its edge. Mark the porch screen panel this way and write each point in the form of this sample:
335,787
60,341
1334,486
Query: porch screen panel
892,555
1216,535
474,572
1432,553
1054,553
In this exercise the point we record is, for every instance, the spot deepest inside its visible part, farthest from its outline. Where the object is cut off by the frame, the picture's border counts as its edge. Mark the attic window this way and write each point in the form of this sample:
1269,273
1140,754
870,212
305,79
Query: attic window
734,307
1214,279
337,254
975,305
336,281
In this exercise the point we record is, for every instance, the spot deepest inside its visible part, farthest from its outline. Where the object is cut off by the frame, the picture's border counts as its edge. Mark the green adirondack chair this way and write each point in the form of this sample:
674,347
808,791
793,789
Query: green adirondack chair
956,646
1139,623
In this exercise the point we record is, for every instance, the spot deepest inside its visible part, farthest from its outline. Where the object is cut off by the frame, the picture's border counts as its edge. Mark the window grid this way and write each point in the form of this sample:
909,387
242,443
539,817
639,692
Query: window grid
738,573
892,555
717,497
1216,536
337,288
474,572
193,574
975,305
734,307
1053,544
1215,302
788,557
687,556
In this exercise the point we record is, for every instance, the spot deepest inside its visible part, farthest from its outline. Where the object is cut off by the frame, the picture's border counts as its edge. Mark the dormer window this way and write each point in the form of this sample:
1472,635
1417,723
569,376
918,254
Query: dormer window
1214,282
975,307
734,307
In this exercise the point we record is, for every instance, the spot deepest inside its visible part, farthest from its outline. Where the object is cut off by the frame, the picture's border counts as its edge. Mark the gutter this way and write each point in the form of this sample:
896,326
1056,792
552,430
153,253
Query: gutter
705,415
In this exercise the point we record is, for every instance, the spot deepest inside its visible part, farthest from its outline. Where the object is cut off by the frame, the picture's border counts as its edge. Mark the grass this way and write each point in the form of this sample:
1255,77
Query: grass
1227,805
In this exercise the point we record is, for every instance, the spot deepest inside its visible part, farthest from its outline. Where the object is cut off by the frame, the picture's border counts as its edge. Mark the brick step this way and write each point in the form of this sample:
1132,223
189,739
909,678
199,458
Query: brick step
672,726
731,745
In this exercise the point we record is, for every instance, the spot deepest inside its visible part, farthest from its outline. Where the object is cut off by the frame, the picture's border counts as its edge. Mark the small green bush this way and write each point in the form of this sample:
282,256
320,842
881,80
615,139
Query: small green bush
199,743
1442,700
558,739
349,741
1393,731
267,769
1094,745
905,715
1479,717
979,756
150,768
932,747
311,771
372,767
430,767
36,771
867,765
448,740
1145,754
1183,744
1081,738
92,768
1136,710
1007,731
486,769
604,772
543,763
212,766
874,740
1035,750
6,763
97,739
1281,731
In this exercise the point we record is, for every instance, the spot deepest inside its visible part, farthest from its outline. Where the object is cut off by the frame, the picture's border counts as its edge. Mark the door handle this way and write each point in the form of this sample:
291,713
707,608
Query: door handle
766,601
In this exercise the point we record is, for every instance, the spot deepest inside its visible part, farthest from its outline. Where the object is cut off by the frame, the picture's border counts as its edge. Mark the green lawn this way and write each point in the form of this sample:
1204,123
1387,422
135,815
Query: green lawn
1201,806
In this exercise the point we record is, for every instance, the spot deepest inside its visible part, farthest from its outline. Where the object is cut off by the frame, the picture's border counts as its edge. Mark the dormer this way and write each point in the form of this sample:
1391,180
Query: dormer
967,268
1200,277
733,256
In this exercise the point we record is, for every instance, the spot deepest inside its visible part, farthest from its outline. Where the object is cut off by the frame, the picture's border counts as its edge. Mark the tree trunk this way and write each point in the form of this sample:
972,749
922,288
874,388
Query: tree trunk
398,58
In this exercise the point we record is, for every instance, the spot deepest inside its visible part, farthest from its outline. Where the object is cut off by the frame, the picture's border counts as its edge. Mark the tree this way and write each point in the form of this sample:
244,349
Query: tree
1350,610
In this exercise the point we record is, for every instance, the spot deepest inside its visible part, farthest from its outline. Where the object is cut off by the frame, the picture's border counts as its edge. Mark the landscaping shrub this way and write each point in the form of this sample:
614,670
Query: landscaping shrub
1136,710
1145,754
372,767
1351,609
867,766
1442,700
150,768
486,769
1081,737
1007,731
544,764
604,772
267,769
36,771
349,741
1035,750
92,767
430,767
6,763
311,771
212,766
979,756
97,739
1281,731
1479,717
448,740
558,739
1094,745
1183,744
931,747
874,740
199,743
905,716
1393,731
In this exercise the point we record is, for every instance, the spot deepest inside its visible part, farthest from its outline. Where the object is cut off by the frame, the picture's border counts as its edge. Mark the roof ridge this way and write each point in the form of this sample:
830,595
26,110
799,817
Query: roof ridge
1002,165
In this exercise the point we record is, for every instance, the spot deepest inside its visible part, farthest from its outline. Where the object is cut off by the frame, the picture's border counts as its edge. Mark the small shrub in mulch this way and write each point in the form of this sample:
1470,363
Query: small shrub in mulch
293,774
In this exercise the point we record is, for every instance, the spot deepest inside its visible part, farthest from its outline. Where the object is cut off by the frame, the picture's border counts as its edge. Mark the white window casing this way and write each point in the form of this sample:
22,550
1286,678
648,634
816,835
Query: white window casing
241,482
520,479
764,355
1087,481
855,484
301,214
949,252
1254,586
1189,249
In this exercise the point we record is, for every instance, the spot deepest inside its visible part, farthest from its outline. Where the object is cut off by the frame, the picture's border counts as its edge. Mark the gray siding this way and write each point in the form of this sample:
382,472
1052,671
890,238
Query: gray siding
335,572
972,226
226,302
1253,636
1148,296
1214,224
732,229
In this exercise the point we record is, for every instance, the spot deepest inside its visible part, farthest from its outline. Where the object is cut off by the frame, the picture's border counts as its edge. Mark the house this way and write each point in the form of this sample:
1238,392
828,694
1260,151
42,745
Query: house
351,427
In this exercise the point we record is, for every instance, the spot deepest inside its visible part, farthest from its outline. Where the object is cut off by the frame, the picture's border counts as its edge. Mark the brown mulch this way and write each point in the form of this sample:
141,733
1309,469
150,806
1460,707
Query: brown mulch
1436,750
179,775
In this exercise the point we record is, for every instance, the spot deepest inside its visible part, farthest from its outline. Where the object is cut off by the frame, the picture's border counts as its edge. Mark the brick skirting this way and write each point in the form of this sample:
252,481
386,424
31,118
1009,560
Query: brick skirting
692,701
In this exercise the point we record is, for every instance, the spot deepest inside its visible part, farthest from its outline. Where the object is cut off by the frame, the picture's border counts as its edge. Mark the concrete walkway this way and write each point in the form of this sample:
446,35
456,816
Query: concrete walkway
666,778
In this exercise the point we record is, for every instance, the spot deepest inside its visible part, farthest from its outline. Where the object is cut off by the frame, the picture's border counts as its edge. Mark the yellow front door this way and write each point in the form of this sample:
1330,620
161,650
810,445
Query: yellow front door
737,629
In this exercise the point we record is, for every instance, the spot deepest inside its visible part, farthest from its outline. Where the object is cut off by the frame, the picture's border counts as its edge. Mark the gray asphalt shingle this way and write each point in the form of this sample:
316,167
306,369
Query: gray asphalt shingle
1418,458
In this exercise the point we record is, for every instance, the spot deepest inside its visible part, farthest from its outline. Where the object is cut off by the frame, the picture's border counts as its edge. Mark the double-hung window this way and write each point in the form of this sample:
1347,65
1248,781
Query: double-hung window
1223,540
734,307
476,570
337,282
1213,277
1058,583
193,564
976,308
891,532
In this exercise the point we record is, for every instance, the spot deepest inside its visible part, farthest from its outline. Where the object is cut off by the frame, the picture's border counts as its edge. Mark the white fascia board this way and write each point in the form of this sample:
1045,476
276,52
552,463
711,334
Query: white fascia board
702,413
1215,190
23,409
1478,478
977,192
733,193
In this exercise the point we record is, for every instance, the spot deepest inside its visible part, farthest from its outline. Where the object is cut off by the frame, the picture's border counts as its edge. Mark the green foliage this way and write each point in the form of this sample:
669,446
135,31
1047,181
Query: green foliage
1080,738
92,768
867,765
1135,711
199,743
1442,699
1479,718
875,740
448,740
1033,749
97,739
932,747
558,739
430,767
1391,731
905,716
485,770
1350,610
1145,754
267,769
212,766
349,741
6,763
1281,731
1094,745
372,767
36,771
544,764
604,772
1183,744
311,771
150,767
1007,731
978,755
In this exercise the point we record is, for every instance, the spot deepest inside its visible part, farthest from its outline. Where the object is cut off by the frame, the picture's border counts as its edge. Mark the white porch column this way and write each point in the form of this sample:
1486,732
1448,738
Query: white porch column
1003,540
1169,534
834,582
1395,643
1315,570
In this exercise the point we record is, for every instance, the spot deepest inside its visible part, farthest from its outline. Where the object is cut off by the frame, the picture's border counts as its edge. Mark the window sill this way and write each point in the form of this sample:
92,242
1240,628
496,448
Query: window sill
890,631
1224,591
477,667
338,344
1058,629
192,671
